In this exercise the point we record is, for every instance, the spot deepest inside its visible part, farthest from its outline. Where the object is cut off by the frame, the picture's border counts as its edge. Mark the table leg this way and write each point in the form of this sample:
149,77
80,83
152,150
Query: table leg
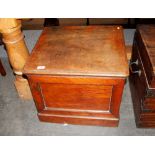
17,53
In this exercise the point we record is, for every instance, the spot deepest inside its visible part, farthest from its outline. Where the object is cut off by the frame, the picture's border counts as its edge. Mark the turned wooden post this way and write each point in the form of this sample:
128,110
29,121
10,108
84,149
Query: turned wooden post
17,52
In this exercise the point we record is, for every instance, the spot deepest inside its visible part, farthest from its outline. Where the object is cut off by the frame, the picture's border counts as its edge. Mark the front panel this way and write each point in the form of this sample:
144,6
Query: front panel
73,96
98,101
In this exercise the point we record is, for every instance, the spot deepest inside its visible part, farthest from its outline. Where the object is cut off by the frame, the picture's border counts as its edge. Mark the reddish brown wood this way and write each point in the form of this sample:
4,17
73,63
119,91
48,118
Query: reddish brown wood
80,50
2,70
78,121
149,103
102,103
142,83
69,96
78,83
146,44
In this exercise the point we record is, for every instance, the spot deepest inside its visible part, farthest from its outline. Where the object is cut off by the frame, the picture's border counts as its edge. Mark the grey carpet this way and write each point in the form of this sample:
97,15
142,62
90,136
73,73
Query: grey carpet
18,117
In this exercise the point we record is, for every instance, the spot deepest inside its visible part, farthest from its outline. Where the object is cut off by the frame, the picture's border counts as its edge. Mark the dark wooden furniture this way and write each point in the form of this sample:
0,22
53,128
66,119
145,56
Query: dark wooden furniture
125,22
2,70
142,76
77,74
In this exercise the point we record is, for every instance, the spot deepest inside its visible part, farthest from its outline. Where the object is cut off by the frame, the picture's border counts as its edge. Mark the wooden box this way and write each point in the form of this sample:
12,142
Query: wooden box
77,74
142,75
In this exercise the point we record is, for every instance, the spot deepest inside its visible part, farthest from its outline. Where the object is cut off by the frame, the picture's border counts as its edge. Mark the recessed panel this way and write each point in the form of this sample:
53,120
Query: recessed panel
72,96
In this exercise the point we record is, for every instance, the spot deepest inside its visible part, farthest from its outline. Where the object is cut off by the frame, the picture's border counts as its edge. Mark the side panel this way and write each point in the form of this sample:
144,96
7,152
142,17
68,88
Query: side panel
142,103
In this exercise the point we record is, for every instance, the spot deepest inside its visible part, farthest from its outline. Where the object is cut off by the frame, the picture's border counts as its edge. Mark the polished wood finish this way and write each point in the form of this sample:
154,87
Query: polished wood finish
55,98
142,76
72,78
146,43
74,50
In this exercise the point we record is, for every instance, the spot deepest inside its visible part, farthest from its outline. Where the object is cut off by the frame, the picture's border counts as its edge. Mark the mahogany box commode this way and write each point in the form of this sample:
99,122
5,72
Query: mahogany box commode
77,74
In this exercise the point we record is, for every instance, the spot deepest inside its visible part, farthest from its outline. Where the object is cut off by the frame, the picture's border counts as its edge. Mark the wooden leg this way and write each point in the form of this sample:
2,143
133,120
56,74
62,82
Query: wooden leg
2,70
22,87
17,53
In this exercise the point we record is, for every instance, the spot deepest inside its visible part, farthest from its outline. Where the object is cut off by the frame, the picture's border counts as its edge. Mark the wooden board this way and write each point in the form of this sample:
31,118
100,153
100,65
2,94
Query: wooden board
79,50
23,88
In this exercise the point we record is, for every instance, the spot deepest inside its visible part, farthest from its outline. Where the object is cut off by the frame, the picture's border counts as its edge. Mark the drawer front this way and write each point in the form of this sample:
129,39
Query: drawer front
143,102
146,95
137,73
144,56
149,103
72,96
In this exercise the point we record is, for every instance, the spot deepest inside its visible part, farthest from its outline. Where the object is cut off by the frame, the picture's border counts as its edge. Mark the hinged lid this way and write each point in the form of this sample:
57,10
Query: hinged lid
145,39
79,50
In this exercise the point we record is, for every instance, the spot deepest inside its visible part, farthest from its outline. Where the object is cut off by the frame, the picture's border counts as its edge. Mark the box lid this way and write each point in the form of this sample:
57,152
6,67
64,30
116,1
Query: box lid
146,43
79,50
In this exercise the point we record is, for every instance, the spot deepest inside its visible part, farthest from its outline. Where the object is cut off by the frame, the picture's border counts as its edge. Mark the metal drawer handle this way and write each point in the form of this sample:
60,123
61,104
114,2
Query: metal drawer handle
135,62
136,71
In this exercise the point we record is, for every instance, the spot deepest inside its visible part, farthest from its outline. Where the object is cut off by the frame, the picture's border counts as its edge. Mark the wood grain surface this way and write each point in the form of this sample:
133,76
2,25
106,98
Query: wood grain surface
142,82
77,100
80,50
